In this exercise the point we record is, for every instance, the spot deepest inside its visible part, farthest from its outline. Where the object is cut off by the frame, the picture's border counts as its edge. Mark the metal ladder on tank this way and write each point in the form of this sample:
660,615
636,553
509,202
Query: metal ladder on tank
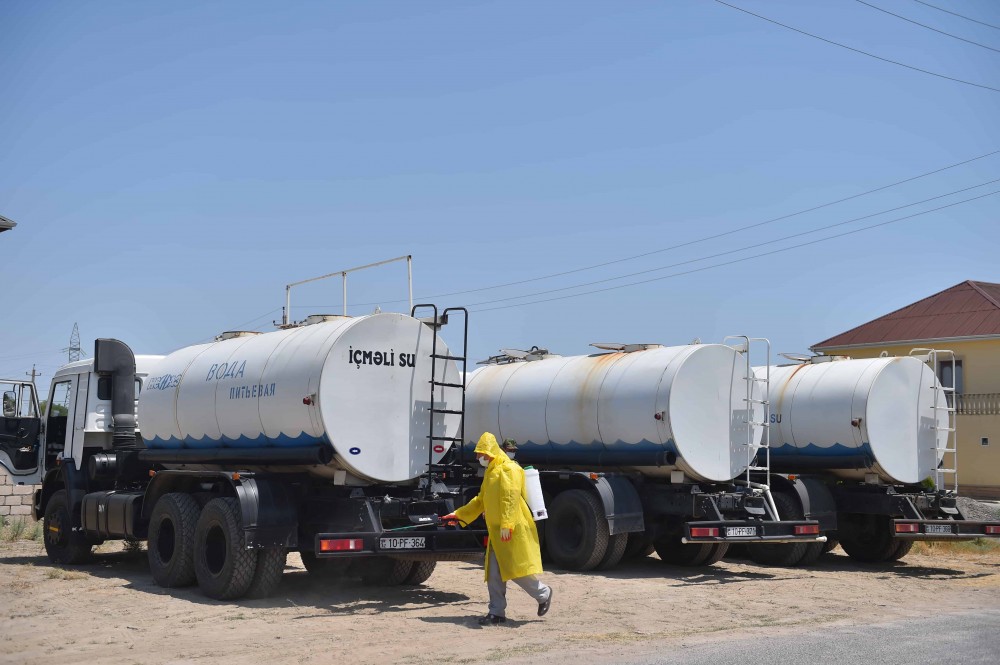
458,466
756,464
933,358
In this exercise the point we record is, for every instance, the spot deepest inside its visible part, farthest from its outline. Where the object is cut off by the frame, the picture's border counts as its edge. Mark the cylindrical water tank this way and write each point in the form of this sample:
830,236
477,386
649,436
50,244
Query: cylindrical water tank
358,385
654,411
852,417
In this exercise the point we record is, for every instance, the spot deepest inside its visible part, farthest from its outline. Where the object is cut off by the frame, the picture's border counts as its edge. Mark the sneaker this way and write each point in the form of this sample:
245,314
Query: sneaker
491,620
544,607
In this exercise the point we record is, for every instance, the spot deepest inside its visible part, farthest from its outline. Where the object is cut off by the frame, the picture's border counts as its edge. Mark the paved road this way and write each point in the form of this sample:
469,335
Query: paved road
967,639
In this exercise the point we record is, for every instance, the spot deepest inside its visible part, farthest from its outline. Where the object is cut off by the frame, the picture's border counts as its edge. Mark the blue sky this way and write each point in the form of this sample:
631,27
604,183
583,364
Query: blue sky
171,166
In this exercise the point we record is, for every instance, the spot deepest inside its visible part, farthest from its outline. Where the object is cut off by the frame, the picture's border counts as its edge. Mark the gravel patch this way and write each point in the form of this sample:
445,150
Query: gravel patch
977,510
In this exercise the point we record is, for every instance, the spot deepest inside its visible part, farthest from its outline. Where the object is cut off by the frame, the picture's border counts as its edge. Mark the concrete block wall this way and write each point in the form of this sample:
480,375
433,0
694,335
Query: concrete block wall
15,500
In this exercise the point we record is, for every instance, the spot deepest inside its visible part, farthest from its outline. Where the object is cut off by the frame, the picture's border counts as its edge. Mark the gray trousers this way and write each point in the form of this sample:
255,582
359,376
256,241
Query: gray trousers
498,588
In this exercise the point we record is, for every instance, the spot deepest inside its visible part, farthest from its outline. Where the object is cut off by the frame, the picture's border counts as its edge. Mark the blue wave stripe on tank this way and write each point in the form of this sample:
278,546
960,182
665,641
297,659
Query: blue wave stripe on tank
281,441
792,459
644,445
812,450
574,453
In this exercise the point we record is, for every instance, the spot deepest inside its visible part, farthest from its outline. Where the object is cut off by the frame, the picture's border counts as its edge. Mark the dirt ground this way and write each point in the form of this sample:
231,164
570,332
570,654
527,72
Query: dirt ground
112,611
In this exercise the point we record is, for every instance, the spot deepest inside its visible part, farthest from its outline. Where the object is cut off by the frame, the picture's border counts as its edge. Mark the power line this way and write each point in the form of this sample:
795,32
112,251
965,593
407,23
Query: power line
30,355
740,260
886,11
684,244
733,251
995,27
851,48
240,326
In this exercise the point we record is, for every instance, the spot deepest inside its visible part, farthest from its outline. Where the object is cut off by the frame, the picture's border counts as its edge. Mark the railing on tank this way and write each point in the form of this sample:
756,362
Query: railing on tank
756,463
287,312
934,358
977,404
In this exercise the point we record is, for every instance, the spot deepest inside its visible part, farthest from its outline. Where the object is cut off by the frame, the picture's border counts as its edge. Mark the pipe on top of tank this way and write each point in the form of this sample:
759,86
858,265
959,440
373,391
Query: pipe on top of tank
285,317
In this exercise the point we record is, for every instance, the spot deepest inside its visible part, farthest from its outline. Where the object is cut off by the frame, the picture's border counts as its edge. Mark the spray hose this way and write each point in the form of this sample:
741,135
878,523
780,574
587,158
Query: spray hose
436,521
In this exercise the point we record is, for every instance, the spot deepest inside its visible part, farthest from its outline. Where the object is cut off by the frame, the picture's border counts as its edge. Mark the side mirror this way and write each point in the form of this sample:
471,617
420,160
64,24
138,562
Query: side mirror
10,404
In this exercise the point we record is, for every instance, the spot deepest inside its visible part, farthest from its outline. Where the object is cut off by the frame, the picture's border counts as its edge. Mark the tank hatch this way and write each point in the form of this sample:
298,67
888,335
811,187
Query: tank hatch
624,348
322,318
233,334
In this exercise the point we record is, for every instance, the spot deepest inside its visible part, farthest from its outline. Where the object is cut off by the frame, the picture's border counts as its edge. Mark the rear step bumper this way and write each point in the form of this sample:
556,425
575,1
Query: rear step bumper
944,529
430,543
745,531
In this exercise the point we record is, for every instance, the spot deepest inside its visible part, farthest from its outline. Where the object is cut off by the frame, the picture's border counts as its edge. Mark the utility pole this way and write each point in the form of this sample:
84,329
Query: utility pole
33,373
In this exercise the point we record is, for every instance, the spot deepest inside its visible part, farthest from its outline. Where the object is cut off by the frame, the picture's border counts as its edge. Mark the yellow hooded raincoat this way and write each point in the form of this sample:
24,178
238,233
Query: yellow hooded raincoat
502,500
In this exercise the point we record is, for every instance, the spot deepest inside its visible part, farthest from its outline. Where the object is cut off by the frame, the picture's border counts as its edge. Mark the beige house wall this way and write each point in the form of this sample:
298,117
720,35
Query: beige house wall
978,465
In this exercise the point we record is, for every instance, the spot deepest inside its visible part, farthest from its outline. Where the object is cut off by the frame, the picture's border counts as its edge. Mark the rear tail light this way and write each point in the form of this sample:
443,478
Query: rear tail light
993,529
907,528
704,532
807,530
341,545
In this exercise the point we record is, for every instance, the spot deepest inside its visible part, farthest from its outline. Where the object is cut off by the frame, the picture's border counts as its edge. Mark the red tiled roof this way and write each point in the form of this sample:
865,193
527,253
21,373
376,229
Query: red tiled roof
968,309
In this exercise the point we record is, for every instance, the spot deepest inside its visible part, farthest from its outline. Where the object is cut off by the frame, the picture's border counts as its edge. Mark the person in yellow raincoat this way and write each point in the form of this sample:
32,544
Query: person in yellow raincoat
512,552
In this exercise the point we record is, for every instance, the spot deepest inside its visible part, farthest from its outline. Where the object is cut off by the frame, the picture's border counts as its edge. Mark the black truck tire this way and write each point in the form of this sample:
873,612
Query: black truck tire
170,548
385,571
613,555
270,568
639,546
866,538
780,554
326,569
902,548
717,554
63,543
671,550
813,552
421,572
576,536
223,565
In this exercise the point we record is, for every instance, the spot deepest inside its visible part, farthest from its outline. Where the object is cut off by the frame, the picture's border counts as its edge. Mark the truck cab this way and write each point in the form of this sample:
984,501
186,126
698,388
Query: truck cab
71,423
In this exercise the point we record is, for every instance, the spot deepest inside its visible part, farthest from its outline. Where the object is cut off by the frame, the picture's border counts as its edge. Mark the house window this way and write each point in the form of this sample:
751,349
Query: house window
945,375
985,441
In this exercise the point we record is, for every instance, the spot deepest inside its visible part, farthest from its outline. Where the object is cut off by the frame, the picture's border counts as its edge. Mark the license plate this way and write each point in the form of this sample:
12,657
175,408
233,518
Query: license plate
937,528
741,531
410,543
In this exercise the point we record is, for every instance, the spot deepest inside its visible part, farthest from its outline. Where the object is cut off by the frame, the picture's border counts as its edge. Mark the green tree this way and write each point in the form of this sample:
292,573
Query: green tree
57,409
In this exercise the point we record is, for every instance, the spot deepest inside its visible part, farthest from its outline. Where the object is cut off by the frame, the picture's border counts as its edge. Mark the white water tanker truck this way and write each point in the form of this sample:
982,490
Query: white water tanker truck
325,438
866,448
638,448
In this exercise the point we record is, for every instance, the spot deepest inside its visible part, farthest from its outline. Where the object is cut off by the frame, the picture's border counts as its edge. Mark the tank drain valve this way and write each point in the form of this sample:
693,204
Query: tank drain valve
659,415
308,400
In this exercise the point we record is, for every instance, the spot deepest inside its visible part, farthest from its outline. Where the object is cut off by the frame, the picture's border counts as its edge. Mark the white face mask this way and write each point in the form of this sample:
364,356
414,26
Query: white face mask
484,462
